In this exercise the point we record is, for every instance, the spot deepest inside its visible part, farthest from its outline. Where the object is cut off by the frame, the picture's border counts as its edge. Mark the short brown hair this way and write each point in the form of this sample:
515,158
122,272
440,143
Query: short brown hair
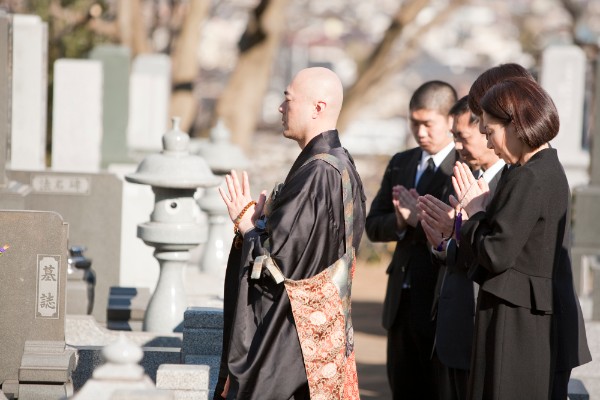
491,77
433,95
527,105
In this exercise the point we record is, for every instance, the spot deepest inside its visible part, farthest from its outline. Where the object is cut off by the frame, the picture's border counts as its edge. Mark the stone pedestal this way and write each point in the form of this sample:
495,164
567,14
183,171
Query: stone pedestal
184,381
203,340
49,364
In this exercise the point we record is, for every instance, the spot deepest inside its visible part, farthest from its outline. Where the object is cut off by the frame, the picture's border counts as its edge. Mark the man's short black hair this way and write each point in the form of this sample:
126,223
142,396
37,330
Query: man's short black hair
433,95
462,107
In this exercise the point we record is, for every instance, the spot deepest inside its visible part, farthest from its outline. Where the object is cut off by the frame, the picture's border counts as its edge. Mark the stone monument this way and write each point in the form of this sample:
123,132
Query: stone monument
34,361
563,76
586,226
173,230
77,115
115,62
13,193
29,88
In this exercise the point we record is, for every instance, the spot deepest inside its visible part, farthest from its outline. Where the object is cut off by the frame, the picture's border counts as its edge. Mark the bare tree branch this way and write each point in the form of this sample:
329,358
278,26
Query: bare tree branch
185,63
380,68
240,103
132,28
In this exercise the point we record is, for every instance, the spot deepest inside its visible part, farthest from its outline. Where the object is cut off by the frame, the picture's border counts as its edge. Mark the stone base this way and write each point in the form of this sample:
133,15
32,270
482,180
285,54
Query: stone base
45,392
46,361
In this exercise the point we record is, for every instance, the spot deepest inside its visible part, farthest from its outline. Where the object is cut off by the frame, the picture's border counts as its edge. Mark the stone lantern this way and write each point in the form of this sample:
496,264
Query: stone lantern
222,157
174,227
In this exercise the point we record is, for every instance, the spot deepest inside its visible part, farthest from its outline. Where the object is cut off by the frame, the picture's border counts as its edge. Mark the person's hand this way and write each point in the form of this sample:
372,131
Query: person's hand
238,198
405,206
438,215
433,236
472,194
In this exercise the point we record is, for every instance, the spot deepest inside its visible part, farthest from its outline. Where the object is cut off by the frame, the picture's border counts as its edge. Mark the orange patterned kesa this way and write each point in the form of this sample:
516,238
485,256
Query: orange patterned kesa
321,310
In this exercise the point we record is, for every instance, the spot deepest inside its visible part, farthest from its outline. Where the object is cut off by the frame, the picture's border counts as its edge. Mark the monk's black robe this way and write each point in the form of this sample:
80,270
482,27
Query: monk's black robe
306,234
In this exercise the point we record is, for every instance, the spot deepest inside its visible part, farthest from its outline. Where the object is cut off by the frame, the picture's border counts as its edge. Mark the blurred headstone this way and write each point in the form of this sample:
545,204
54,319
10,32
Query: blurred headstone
150,88
115,104
29,93
77,115
13,193
138,265
563,76
91,204
5,92
586,226
33,273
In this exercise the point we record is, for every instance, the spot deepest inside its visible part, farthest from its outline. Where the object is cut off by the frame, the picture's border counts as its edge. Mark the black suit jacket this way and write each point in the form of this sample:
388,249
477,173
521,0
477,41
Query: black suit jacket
412,250
523,240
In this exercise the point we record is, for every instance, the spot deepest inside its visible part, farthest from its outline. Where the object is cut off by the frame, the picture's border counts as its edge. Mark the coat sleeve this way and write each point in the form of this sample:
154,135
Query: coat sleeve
498,236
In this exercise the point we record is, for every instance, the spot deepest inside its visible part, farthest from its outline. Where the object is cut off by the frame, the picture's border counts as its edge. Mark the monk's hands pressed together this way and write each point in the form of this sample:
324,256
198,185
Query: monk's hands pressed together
472,194
405,206
239,201
437,219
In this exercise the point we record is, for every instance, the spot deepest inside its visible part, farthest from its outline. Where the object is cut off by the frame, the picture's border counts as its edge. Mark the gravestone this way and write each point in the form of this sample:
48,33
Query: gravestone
563,77
29,89
138,265
77,115
91,204
150,88
115,104
33,269
5,92
586,226
13,193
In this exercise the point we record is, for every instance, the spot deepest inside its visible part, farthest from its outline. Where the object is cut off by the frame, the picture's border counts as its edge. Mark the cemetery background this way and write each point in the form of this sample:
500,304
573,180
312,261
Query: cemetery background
109,106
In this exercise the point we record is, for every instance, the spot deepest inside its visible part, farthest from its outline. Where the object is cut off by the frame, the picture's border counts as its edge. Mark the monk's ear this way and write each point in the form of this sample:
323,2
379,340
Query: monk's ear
320,107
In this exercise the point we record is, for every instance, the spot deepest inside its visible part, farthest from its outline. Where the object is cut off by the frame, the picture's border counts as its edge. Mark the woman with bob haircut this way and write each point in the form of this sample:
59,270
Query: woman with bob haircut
489,78
529,331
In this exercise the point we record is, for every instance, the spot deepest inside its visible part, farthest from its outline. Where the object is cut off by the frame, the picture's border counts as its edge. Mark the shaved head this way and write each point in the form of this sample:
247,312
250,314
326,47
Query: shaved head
313,104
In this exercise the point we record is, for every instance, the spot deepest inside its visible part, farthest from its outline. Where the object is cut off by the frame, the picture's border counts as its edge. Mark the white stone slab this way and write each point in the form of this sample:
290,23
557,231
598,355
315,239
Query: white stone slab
5,93
77,115
139,268
29,93
182,377
116,69
150,89
563,76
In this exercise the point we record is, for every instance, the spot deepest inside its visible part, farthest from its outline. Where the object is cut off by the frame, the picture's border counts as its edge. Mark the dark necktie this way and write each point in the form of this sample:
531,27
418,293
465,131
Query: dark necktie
426,176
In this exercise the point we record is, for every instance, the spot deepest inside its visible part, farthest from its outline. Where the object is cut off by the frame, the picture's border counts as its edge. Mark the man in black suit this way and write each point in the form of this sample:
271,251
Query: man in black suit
426,169
454,304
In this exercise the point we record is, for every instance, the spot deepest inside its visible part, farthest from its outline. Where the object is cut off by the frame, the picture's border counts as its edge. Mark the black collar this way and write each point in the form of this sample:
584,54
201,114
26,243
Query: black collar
322,143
